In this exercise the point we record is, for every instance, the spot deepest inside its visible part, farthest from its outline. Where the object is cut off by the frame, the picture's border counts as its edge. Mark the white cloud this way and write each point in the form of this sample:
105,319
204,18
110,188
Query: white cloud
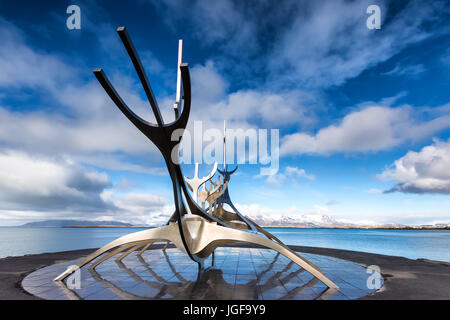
290,174
125,185
36,183
207,83
138,208
374,191
39,188
245,107
426,171
373,128
273,109
298,173
50,132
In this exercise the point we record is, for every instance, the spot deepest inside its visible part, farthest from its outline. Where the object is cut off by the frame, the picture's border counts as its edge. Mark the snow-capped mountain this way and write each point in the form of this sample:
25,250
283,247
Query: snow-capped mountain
304,221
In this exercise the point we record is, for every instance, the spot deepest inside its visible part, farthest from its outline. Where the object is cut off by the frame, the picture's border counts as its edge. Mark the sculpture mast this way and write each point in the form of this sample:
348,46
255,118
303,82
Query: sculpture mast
224,143
178,92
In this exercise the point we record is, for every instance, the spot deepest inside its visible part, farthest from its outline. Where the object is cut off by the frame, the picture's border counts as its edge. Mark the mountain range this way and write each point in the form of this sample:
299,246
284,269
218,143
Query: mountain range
304,221
72,223
326,221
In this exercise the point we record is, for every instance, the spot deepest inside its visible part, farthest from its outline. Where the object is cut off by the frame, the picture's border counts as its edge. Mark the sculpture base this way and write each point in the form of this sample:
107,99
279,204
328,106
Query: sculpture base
235,273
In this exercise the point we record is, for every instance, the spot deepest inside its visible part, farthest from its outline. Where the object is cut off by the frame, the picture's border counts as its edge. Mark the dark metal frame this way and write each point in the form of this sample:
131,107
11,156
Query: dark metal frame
160,134
225,197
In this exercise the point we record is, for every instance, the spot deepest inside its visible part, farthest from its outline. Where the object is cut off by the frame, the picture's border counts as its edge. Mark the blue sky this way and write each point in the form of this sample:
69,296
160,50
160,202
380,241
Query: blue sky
364,115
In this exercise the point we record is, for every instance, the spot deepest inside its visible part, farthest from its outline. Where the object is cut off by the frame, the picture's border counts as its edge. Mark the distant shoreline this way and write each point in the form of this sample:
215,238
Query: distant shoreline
364,228
284,227
106,226
72,223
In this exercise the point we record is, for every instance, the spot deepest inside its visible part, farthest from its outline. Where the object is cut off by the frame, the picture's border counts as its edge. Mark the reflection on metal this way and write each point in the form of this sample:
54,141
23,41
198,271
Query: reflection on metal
145,248
115,289
66,291
192,229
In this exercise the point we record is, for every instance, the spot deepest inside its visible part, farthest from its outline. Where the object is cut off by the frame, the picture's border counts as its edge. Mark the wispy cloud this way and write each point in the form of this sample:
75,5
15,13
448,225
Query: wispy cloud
307,43
23,67
374,191
409,70
289,175
445,58
330,43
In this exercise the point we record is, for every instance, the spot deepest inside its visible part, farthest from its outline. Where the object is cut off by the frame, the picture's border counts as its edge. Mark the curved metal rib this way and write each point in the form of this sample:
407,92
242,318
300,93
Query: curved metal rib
162,233
144,248
225,198
211,233
141,73
143,125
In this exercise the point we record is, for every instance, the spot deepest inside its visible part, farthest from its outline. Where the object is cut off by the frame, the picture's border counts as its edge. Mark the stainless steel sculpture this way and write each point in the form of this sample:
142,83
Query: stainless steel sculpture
195,183
192,229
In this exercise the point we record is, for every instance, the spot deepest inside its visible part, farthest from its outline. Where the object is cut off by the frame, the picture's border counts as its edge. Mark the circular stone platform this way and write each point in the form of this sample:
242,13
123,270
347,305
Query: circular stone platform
237,273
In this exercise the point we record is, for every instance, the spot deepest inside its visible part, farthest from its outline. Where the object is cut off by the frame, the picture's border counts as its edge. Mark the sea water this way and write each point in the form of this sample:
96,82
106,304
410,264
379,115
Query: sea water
413,244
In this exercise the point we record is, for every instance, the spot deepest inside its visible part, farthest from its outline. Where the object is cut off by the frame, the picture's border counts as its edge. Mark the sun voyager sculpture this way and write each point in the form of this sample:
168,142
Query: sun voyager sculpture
196,229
